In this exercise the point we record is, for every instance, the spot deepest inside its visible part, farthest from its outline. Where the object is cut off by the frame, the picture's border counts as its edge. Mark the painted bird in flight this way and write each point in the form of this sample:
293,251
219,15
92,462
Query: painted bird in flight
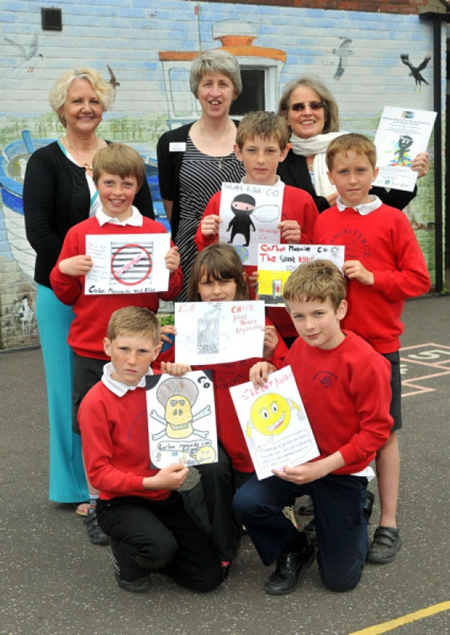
343,51
415,72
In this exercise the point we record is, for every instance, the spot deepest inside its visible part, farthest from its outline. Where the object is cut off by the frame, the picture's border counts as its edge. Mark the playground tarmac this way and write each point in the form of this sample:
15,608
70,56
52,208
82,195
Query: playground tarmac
53,581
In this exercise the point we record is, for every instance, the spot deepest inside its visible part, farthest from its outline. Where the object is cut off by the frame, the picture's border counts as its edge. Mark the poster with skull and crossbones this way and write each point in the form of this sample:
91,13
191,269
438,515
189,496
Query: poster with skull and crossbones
181,419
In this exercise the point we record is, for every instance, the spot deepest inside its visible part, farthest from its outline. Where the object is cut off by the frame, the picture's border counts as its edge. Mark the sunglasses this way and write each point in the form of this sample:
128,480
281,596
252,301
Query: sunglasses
313,105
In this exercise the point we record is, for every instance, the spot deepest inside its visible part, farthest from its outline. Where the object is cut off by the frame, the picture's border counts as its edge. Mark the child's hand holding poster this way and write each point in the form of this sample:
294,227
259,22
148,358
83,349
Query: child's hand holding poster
277,262
274,423
181,419
250,215
218,332
127,263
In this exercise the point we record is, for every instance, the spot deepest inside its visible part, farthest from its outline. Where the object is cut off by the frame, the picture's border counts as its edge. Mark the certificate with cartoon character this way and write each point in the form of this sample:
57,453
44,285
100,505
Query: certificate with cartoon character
274,423
181,419
250,215
127,263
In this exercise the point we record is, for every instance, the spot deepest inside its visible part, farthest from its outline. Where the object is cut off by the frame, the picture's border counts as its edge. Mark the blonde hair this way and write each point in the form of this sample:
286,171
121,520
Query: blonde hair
325,96
316,280
215,61
134,321
218,262
264,124
120,159
351,141
58,94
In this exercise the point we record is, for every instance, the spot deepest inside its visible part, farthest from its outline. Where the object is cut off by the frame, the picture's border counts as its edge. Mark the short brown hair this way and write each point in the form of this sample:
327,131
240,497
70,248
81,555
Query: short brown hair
134,321
351,141
218,262
316,280
264,124
120,159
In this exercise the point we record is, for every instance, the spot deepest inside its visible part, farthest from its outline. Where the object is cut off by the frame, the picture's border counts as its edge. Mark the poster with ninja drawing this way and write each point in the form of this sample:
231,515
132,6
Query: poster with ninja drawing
127,263
181,419
400,136
250,215
274,423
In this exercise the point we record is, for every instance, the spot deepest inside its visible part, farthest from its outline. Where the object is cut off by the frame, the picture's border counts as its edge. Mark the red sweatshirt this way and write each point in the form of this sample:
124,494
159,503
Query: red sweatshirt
92,312
116,448
346,393
384,242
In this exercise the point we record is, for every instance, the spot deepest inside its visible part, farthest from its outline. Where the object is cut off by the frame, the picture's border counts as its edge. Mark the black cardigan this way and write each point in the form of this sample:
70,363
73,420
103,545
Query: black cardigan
56,197
294,171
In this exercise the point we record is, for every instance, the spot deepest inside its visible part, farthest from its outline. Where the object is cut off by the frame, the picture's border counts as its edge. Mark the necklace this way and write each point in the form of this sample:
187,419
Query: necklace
219,162
84,164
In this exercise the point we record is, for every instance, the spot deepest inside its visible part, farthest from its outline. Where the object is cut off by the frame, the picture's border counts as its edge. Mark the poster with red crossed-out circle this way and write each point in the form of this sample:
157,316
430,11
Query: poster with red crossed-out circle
127,263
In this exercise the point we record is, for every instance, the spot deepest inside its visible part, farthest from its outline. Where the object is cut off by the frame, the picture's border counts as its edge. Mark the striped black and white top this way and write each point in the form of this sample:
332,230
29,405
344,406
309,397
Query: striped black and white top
201,176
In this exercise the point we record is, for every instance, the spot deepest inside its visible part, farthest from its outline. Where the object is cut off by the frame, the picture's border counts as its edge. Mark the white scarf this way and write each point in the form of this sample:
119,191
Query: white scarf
317,146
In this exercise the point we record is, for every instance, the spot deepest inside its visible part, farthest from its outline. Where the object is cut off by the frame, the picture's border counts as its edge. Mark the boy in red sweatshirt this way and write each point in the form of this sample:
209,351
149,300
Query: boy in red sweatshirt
139,507
384,265
344,385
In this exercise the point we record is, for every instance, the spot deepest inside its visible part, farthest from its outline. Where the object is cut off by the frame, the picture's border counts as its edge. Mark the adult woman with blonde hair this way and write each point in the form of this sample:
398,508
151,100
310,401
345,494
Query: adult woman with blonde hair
195,159
313,116
58,193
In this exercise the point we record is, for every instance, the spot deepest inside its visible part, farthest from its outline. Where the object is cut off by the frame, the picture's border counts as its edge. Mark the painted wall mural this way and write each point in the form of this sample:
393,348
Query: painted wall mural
367,60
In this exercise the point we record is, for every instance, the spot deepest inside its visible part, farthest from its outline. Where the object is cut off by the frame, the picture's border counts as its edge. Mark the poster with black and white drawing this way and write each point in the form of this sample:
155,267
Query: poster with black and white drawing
274,423
402,133
127,263
181,419
250,215
218,332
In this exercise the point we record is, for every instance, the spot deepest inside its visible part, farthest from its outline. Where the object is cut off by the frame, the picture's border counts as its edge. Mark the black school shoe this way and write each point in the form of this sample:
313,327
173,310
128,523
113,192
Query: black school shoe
289,571
96,534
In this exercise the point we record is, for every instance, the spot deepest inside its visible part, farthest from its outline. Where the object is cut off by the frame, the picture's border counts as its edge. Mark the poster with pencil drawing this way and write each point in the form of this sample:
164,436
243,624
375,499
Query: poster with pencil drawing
401,135
250,215
127,263
218,332
181,419
276,263
274,423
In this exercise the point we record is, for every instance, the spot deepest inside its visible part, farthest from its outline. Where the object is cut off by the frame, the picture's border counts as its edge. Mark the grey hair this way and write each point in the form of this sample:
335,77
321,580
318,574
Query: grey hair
215,61
331,107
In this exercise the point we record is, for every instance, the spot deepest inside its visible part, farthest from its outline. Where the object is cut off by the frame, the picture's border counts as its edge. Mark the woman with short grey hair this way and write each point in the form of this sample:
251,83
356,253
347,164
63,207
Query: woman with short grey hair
195,159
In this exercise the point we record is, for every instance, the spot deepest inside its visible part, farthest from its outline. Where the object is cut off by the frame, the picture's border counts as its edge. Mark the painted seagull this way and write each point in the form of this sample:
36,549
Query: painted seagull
27,54
343,51
415,72
113,80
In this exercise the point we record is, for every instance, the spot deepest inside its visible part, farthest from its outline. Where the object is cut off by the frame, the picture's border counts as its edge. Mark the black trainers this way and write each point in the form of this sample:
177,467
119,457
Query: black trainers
141,585
385,545
96,535
289,571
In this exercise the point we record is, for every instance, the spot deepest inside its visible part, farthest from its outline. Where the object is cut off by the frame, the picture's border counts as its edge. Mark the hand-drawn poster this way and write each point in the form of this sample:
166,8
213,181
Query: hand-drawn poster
401,135
127,263
274,423
250,215
277,262
181,419
218,332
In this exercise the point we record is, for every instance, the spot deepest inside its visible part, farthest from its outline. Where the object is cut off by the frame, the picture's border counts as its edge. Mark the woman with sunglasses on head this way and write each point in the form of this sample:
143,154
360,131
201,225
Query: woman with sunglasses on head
313,116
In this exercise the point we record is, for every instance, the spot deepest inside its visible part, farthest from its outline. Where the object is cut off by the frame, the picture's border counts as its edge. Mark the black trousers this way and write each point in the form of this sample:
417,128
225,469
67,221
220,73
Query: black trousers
159,536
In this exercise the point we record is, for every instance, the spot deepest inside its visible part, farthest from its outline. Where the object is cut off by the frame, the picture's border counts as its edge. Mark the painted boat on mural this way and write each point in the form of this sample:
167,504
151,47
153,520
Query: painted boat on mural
12,171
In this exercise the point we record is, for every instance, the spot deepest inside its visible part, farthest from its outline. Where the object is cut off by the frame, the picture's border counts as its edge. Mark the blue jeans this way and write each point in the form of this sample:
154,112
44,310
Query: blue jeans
340,524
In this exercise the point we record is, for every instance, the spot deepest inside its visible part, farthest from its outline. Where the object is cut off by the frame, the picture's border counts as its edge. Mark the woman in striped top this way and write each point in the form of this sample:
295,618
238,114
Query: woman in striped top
195,159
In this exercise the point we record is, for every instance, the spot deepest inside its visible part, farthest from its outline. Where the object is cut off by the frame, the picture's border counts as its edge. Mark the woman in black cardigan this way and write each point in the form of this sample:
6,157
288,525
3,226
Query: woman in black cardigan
313,116
58,193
